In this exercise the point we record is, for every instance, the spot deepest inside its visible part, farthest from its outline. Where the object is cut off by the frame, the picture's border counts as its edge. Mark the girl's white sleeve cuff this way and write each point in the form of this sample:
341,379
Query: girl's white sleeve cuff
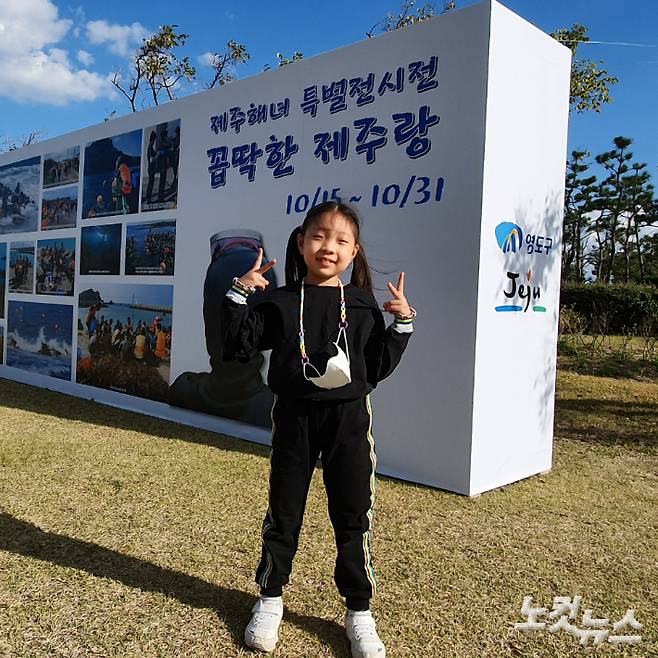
403,327
236,297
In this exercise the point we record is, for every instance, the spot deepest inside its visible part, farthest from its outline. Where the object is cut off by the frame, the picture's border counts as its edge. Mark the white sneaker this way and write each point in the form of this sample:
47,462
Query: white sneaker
262,631
361,632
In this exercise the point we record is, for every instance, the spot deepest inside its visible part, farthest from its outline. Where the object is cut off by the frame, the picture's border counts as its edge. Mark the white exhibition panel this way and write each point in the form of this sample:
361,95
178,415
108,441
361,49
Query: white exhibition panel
471,405
528,89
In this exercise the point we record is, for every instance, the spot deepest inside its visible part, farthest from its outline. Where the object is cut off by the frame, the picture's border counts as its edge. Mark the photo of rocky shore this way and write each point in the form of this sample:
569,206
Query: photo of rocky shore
39,338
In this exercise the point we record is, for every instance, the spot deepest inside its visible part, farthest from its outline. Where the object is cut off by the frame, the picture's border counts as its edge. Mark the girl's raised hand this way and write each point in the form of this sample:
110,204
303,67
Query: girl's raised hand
254,277
399,304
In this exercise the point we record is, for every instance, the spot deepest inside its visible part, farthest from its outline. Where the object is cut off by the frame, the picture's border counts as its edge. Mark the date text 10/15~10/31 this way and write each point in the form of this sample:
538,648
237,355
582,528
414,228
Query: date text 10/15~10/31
417,191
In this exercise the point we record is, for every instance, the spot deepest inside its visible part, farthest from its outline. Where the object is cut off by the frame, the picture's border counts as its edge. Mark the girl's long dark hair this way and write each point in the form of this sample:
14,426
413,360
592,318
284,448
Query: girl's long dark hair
296,267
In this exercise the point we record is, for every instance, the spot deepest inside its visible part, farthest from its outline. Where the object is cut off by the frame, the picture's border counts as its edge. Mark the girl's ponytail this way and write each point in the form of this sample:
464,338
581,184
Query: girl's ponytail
361,275
295,266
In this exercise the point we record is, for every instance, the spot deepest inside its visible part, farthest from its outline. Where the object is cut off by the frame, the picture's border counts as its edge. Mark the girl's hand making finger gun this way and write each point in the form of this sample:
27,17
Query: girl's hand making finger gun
254,278
398,305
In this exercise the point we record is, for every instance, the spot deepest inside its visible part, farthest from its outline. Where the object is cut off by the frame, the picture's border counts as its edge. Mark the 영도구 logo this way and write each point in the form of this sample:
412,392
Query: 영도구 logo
509,237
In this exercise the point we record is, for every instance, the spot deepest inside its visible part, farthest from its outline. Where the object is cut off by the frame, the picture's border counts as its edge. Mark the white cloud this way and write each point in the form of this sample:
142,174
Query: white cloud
29,70
206,59
27,25
120,39
80,19
85,58
48,78
58,57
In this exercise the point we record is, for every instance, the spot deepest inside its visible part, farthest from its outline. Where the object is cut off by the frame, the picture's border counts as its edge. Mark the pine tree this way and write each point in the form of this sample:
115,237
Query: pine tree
579,190
638,197
610,201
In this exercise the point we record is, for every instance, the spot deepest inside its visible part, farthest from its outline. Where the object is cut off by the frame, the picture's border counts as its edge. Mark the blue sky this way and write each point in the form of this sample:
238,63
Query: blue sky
121,293
56,56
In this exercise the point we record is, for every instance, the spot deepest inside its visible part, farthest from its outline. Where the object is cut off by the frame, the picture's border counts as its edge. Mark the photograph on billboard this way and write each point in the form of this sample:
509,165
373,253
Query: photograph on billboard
55,271
100,249
3,277
62,167
59,208
151,248
111,175
160,157
231,389
19,193
124,338
39,338
21,267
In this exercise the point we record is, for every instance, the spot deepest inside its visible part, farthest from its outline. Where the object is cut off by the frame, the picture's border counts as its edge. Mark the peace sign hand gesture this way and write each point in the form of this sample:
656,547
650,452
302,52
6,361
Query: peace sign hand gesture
254,277
399,305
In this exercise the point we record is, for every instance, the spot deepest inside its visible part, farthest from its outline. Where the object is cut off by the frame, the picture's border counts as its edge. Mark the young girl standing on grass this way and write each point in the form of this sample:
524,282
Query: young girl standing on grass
330,348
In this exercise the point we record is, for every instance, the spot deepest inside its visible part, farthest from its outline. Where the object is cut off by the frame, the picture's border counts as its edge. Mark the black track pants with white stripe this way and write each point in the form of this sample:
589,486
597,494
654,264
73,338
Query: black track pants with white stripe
341,433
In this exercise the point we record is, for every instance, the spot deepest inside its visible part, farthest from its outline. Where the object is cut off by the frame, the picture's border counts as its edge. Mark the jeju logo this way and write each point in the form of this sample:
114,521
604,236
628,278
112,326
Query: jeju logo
523,292
509,237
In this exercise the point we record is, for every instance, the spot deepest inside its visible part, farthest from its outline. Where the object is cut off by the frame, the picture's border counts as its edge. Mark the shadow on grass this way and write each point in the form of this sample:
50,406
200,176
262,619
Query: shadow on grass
608,422
232,606
60,405
52,403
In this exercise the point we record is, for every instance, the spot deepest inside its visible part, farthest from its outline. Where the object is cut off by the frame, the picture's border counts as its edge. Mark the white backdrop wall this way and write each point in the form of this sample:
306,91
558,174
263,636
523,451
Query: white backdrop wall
462,128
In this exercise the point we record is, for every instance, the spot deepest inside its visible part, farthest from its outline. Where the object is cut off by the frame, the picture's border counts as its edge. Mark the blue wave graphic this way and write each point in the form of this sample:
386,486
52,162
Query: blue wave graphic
507,308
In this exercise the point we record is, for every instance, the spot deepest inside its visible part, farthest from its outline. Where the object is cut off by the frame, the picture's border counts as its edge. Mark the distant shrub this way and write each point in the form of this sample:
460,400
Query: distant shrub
571,321
610,309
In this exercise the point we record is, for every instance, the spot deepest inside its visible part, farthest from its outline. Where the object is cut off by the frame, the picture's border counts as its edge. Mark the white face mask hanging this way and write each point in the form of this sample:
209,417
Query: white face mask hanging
337,373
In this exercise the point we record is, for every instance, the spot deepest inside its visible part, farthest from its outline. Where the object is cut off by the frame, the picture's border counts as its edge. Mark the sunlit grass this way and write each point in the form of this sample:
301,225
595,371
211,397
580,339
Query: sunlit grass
124,535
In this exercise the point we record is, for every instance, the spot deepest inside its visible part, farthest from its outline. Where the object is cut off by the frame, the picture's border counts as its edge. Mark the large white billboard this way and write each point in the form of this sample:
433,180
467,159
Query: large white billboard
119,241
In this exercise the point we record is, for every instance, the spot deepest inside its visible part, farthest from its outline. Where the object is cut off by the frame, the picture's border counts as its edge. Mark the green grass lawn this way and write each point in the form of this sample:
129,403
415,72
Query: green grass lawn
124,535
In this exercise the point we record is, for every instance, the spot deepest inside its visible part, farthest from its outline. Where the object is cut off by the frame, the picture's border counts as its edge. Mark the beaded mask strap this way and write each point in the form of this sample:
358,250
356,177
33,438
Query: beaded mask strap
342,323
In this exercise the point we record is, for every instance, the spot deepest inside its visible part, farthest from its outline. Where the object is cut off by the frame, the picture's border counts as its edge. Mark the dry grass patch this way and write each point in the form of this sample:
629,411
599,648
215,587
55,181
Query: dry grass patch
123,535
624,357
